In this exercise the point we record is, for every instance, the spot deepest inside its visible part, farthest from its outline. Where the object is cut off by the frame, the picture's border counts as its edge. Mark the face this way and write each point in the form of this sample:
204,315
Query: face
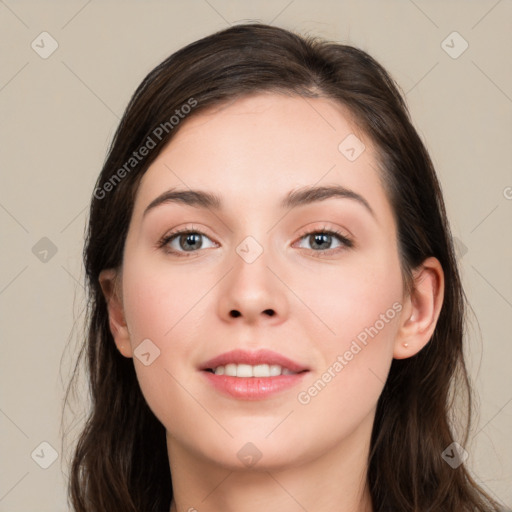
317,282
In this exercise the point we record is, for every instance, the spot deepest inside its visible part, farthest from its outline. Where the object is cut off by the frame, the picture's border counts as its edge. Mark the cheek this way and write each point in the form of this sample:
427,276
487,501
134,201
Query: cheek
345,390
157,299
356,296
163,304
357,351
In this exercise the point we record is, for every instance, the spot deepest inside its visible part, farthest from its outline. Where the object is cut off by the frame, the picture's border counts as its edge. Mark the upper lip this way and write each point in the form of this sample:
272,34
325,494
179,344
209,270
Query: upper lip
261,356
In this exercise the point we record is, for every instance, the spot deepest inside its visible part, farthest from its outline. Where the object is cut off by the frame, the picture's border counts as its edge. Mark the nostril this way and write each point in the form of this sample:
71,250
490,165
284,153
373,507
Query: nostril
235,314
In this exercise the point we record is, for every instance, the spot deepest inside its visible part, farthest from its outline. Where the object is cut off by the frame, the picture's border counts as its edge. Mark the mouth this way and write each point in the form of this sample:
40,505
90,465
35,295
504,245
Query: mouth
246,364
248,375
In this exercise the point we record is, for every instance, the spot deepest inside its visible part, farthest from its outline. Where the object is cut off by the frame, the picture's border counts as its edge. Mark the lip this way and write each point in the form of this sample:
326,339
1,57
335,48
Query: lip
252,388
261,356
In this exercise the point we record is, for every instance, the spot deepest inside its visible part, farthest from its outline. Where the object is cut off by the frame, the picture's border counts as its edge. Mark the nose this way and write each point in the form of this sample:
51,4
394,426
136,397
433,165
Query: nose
253,292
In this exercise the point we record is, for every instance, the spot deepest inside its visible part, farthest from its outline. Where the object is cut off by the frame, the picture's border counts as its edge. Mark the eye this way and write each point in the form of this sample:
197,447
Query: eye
190,240
321,240
183,241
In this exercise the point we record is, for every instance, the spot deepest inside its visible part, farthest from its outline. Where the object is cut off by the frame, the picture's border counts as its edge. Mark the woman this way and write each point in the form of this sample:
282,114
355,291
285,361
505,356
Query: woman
276,315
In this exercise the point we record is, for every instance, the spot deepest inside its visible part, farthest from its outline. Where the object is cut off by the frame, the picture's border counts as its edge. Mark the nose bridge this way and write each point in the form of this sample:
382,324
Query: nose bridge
251,264
250,249
254,236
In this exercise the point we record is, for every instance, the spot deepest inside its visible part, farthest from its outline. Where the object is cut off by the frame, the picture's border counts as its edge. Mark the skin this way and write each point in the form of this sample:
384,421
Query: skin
252,152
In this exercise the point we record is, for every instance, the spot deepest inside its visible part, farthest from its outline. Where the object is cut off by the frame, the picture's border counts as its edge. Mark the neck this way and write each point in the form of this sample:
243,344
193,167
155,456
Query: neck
335,480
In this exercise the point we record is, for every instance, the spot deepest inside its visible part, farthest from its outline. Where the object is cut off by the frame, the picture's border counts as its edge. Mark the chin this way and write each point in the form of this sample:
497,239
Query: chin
256,454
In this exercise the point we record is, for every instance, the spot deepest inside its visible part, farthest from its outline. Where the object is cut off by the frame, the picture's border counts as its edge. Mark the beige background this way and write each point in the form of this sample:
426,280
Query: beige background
58,117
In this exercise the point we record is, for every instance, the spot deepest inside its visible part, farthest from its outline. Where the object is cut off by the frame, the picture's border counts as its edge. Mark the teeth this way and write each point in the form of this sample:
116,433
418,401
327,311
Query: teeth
246,370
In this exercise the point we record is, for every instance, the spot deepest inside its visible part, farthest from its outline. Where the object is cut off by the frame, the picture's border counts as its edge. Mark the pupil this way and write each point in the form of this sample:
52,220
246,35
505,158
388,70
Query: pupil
319,238
191,238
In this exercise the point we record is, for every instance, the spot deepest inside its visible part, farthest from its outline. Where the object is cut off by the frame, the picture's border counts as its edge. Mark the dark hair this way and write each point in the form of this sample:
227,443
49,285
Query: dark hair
120,461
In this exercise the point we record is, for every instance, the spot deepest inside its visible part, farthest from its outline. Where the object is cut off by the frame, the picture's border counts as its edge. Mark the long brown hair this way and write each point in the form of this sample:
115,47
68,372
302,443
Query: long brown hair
120,461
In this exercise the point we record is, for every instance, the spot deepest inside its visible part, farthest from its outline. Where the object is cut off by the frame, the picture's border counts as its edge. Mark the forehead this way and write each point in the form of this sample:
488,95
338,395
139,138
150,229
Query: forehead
256,149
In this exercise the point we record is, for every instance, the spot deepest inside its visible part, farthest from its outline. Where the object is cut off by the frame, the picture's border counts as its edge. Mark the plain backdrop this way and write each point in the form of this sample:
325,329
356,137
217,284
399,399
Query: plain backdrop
59,112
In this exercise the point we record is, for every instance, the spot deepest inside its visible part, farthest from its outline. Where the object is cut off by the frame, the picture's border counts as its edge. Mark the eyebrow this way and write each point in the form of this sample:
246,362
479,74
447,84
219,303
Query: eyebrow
295,198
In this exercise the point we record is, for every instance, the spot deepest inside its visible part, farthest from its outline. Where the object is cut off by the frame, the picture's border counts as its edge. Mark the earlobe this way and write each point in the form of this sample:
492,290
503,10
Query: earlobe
421,311
109,284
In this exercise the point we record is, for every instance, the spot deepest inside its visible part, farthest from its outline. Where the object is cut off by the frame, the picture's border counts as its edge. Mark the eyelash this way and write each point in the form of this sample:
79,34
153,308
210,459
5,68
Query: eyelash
164,241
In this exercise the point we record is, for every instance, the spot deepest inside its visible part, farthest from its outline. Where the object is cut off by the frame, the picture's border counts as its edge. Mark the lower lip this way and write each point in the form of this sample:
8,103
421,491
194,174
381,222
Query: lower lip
252,388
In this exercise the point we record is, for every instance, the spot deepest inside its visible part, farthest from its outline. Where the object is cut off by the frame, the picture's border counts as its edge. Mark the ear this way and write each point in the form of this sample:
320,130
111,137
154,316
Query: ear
109,281
421,309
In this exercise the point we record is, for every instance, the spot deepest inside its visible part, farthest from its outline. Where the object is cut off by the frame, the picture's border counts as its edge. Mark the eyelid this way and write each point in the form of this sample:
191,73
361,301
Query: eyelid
325,225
